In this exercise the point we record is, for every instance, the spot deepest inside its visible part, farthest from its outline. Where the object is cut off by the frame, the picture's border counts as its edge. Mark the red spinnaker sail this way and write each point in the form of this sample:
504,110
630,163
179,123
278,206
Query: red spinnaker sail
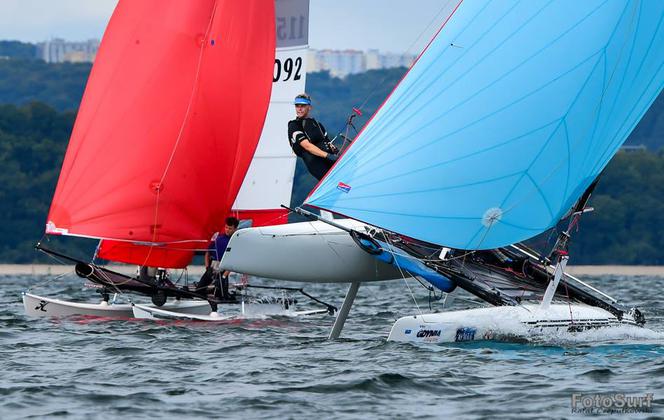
268,217
168,124
166,256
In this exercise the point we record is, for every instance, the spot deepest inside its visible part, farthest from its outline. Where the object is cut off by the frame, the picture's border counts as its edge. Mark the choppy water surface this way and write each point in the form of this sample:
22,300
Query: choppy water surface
286,368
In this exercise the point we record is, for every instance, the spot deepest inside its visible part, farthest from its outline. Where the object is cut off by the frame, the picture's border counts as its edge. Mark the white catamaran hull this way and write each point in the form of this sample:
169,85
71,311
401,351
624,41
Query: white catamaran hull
246,311
39,306
312,252
501,322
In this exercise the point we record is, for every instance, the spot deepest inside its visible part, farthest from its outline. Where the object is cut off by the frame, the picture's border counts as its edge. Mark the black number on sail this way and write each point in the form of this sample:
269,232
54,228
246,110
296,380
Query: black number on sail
298,63
291,28
288,66
288,69
281,28
277,70
293,24
302,23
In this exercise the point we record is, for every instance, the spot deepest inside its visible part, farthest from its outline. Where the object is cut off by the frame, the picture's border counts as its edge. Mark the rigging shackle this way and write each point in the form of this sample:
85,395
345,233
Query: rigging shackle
356,113
349,123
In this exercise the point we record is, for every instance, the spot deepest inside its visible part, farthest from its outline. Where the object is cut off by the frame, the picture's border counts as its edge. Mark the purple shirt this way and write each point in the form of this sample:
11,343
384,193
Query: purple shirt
218,247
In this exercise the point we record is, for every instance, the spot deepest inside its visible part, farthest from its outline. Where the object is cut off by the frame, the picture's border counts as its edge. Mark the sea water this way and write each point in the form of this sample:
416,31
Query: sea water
281,367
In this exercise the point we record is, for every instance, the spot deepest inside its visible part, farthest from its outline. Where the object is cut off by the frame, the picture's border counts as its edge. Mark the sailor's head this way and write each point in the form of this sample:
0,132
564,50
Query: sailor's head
302,104
231,225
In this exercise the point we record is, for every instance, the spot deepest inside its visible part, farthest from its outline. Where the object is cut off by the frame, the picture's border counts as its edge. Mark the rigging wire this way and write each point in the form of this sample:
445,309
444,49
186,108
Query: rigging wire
357,111
49,280
403,276
434,19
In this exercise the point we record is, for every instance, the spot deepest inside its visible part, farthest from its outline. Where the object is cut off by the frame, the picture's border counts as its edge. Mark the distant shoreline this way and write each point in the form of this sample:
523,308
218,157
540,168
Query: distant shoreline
579,270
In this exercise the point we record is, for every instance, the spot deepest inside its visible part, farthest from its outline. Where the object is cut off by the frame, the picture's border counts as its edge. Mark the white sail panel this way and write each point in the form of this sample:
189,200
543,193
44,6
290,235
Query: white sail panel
503,122
269,181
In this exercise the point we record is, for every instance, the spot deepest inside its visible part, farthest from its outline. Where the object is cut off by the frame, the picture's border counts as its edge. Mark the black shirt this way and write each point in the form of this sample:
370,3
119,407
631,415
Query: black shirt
301,129
306,129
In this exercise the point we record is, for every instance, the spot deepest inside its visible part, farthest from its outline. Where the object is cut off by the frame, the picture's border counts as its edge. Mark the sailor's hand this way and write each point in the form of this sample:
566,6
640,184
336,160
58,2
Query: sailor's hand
332,157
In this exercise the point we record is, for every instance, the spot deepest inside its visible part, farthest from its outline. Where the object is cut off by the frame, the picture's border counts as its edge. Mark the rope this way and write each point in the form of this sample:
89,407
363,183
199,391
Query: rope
403,276
358,110
331,308
60,261
324,238
48,279
569,302
408,50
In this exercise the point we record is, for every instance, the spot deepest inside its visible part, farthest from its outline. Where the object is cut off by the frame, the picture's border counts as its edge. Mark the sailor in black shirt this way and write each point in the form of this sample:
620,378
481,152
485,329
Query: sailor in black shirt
309,140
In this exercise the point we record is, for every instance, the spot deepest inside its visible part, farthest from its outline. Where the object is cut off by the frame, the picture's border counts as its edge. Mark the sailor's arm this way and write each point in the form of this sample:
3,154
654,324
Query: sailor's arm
296,136
207,259
311,148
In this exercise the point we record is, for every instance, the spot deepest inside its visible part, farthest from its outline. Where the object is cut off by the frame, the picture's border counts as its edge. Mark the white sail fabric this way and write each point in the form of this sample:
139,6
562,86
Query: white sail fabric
503,122
269,180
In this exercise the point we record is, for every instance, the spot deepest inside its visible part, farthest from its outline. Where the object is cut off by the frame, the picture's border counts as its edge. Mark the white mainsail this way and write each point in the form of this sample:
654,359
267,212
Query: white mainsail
269,182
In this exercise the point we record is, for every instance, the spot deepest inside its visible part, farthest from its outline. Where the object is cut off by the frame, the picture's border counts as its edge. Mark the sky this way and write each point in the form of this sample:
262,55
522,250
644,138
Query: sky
387,25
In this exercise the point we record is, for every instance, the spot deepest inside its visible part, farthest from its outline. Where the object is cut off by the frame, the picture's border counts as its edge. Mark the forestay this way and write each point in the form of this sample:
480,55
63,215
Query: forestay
503,122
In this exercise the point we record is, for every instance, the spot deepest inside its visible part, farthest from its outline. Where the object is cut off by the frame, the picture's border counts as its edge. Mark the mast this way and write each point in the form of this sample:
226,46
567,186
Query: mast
560,251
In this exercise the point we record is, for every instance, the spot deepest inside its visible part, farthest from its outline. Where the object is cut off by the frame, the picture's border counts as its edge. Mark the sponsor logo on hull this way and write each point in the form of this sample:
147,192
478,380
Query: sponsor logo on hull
41,307
465,334
428,333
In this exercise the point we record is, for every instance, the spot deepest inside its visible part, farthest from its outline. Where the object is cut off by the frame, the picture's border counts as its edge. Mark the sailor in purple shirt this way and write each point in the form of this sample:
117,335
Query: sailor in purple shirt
213,256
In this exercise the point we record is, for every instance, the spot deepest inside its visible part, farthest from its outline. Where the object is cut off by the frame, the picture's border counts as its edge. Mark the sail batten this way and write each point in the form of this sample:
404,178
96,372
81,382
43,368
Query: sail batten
503,122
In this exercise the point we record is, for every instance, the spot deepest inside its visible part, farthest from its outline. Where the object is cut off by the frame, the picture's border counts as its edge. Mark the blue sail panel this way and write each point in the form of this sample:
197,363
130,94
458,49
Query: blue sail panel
503,122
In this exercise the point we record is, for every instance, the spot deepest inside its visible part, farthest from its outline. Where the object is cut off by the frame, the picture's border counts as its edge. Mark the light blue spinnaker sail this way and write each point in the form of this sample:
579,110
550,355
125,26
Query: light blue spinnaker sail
504,121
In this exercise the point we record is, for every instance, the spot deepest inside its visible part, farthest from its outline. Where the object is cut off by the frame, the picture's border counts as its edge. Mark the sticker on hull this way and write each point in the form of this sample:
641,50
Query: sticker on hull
465,334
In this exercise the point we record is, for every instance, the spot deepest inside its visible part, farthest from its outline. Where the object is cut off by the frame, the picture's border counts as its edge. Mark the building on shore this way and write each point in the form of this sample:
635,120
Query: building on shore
58,50
341,63
630,148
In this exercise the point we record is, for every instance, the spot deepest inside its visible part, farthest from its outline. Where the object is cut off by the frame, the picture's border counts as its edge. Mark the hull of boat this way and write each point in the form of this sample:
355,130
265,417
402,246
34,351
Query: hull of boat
502,323
246,311
39,306
312,252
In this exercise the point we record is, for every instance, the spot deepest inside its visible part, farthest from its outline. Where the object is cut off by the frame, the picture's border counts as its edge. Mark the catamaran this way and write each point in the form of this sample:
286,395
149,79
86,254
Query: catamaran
496,134
179,126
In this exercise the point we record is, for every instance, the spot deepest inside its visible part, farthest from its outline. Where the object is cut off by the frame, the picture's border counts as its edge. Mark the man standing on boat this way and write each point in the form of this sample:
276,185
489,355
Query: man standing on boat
309,139
213,256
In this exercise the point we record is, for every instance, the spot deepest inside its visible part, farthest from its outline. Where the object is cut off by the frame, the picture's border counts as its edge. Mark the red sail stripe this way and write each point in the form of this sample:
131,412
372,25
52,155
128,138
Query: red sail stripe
167,256
268,217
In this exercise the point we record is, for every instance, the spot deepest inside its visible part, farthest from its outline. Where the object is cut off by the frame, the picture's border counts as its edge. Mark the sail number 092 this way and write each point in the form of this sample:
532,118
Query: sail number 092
288,68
